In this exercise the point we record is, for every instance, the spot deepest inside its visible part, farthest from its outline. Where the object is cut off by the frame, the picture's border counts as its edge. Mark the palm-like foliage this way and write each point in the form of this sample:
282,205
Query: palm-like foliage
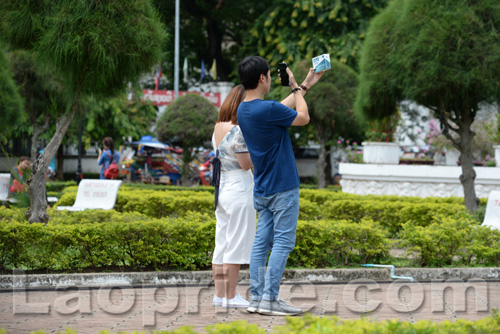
95,46
444,55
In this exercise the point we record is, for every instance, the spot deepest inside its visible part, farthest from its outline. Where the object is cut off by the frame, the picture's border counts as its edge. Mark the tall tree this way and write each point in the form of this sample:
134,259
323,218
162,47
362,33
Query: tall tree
190,121
42,93
444,55
96,46
11,103
211,30
294,30
330,104
117,118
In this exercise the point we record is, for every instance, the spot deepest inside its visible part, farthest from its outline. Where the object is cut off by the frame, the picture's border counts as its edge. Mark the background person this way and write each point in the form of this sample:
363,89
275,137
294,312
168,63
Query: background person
18,188
236,217
51,170
276,196
105,156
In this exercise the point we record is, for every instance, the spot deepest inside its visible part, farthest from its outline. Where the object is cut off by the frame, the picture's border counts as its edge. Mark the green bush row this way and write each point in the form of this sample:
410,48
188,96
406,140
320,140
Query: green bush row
311,324
391,215
321,196
58,186
142,244
142,186
333,243
452,241
155,204
95,239
314,205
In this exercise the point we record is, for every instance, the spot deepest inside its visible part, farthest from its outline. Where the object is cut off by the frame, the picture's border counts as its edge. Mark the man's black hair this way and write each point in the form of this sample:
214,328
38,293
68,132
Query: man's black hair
250,70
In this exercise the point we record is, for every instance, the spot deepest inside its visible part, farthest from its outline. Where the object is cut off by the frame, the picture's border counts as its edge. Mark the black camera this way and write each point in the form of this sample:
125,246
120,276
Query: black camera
285,81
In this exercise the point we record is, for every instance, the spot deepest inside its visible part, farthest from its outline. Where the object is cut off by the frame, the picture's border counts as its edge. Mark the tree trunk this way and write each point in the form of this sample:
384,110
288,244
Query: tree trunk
328,166
321,163
60,163
37,212
467,163
187,180
37,131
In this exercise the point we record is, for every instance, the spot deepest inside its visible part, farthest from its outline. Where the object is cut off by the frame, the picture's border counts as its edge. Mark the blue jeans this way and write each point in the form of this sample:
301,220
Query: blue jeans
276,229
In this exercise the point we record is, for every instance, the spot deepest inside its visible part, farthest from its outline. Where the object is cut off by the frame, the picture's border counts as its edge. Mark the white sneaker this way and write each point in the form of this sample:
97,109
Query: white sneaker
236,302
217,301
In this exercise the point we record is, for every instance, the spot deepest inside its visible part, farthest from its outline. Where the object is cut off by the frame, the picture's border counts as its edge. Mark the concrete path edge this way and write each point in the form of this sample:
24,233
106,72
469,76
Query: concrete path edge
20,280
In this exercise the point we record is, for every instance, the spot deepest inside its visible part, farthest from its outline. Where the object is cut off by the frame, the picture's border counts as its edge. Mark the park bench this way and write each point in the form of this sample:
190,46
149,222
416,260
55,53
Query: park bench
4,187
95,194
492,216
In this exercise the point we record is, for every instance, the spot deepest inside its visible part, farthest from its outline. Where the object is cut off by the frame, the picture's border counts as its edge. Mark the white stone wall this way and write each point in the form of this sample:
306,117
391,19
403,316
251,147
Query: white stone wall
414,180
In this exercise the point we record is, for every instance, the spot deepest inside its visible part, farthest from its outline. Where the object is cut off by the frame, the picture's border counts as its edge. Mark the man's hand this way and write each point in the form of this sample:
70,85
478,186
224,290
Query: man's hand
312,78
291,78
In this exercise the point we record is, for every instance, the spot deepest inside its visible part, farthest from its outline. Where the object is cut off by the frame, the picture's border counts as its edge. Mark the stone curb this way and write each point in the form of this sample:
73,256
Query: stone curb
323,276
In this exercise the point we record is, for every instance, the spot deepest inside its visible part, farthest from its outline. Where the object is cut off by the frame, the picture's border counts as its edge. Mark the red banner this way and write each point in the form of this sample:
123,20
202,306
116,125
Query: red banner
166,97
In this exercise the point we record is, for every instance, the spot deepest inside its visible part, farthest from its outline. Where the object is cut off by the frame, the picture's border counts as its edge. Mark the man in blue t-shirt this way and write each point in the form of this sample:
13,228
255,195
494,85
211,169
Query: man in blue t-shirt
264,125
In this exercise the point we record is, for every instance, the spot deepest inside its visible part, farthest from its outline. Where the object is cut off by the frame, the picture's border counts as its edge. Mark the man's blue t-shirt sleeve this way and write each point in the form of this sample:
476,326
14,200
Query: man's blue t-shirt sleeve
282,115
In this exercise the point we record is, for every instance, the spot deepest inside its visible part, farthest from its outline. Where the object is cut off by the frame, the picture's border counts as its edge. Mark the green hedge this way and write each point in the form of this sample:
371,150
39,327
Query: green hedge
136,244
142,186
452,241
310,324
153,203
74,241
58,186
331,243
391,215
314,205
321,195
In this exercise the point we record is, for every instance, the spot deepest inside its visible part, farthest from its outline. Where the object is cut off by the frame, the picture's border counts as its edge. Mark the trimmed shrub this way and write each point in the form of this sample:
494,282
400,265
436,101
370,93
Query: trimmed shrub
328,243
156,204
143,186
452,240
58,186
148,244
94,239
391,215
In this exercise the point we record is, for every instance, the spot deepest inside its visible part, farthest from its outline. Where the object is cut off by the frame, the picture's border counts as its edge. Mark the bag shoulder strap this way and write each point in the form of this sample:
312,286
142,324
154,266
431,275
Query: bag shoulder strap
111,156
216,176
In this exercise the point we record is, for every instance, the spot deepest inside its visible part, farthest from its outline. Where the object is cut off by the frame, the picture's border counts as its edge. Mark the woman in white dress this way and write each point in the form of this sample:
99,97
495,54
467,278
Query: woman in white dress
236,216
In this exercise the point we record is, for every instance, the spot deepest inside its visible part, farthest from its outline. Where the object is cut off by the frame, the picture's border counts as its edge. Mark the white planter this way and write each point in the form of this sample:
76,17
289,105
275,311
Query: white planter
497,155
381,153
452,156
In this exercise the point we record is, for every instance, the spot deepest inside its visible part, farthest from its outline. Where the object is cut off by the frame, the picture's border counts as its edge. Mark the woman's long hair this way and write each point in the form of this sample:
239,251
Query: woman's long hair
228,110
108,141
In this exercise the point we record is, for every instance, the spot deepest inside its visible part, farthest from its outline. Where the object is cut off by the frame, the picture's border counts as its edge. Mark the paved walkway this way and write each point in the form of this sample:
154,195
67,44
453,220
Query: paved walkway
166,307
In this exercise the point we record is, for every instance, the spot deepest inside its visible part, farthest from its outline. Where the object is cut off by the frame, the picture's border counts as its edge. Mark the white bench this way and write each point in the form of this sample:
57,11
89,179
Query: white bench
492,216
95,194
4,187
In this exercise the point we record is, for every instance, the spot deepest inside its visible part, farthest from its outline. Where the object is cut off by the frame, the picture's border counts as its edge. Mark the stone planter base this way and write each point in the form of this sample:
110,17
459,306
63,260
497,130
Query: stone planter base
421,181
